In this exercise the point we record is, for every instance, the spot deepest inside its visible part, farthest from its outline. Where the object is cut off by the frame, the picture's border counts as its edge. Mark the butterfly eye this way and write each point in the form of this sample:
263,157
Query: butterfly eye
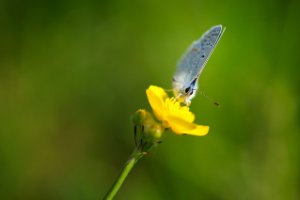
187,90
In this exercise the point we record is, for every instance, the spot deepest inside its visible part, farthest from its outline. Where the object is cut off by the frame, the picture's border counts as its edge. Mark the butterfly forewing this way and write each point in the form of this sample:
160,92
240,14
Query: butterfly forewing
194,60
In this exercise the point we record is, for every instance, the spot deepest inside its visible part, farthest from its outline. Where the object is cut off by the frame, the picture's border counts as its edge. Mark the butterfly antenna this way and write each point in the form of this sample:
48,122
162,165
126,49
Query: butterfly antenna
168,90
210,99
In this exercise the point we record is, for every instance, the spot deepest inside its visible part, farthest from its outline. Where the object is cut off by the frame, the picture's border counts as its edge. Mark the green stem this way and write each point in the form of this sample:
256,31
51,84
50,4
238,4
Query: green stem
136,155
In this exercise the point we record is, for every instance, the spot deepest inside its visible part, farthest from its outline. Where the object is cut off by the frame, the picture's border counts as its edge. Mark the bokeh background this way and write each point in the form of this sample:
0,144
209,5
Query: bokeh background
73,72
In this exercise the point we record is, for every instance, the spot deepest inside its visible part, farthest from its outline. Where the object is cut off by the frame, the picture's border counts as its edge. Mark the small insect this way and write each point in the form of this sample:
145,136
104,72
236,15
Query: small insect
185,80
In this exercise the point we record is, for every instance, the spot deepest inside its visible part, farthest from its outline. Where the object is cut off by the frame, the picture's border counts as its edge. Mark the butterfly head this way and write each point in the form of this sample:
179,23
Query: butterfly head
185,93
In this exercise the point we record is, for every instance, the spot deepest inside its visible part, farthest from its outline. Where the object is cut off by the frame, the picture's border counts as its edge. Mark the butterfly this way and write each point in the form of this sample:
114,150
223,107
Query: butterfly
189,68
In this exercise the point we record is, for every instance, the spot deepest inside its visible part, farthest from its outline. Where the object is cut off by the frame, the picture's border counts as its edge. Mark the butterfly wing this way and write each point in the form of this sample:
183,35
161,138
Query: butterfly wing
193,61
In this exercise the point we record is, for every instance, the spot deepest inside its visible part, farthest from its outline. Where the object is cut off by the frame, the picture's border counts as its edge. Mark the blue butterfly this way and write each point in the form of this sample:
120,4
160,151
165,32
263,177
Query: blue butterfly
185,80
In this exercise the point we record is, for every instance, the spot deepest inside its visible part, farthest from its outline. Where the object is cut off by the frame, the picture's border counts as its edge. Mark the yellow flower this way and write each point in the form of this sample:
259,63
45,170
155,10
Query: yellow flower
172,114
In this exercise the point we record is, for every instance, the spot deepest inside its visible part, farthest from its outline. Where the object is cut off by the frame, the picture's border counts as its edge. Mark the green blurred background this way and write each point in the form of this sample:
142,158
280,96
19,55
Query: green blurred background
73,72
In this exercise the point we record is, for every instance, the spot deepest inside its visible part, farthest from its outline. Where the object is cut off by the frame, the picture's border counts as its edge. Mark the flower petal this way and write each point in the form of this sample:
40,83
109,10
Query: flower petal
181,126
156,97
175,109
200,130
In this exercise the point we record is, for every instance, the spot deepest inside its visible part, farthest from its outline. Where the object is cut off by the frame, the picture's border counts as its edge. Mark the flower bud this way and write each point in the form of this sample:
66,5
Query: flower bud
147,132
